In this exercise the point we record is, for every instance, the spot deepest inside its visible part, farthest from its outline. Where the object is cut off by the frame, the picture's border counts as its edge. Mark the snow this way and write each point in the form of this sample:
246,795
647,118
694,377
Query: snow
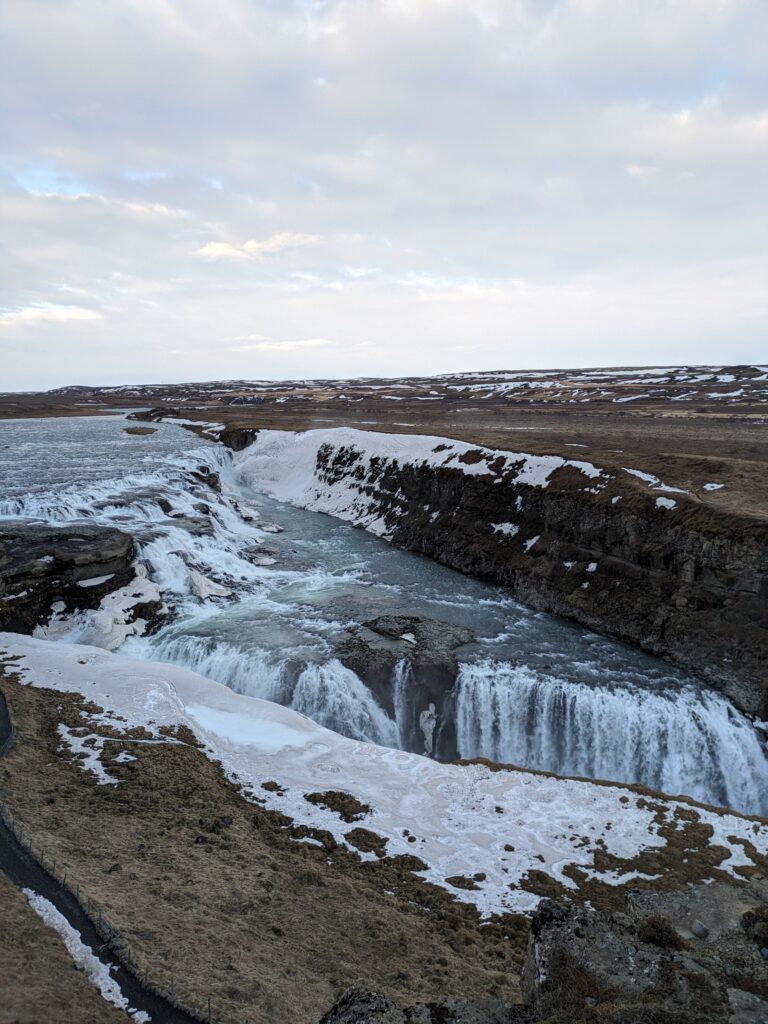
592,567
109,625
529,543
713,487
509,529
653,481
451,810
665,503
648,477
233,727
95,581
203,587
95,971
286,464
88,751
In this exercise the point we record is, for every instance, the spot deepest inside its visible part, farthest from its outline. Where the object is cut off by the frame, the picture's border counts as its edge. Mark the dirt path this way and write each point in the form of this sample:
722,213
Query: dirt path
25,872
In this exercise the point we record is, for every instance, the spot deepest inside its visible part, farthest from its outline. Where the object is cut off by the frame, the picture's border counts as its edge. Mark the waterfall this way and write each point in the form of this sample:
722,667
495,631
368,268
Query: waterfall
252,673
328,693
401,674
338,699
676,741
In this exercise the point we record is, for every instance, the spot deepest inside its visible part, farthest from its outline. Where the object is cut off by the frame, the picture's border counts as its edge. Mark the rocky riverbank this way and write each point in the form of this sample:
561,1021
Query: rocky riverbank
58,568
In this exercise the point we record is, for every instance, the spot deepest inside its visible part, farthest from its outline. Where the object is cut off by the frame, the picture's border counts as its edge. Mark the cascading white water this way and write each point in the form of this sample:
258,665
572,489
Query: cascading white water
683,741
401,675
328,693
335,697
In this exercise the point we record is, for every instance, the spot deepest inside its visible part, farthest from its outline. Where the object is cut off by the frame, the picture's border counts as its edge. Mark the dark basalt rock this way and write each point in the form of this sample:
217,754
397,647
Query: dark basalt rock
587,967
651,961
426,646
206,476
363,1006
689,584
41,565
237,438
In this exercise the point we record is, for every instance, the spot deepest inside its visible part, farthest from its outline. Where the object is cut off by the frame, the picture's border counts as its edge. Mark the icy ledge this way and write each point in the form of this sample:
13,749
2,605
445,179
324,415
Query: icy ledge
467,821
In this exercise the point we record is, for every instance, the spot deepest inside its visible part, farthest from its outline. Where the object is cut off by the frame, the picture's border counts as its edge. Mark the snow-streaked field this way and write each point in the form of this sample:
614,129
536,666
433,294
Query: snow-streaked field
726,385
467,820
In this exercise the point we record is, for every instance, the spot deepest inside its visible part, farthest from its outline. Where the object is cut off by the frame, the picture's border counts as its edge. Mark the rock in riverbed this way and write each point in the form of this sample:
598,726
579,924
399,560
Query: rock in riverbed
409,661
75,565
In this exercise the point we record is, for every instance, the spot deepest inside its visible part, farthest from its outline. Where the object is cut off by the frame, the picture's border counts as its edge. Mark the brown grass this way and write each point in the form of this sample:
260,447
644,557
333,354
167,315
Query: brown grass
218,894
39,982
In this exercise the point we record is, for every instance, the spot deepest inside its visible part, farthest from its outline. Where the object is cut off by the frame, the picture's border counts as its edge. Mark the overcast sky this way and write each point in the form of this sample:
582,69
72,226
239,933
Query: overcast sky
193,190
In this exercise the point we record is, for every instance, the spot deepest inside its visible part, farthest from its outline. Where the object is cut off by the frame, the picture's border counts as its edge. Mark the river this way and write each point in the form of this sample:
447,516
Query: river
531,690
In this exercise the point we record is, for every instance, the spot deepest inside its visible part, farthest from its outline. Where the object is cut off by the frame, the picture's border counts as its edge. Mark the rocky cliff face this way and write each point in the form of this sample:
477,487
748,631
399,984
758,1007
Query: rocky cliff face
43,565
392,652
620,553
688,586
690,957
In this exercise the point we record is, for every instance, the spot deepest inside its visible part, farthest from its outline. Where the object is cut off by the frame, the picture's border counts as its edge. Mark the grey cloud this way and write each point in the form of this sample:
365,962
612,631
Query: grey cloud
579,181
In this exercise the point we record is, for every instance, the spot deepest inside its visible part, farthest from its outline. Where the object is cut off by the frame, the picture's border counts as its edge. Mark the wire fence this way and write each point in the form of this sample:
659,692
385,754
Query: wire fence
165,986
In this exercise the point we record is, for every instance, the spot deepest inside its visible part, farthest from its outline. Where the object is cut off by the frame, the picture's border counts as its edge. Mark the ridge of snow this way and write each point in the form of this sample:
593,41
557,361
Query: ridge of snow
96,972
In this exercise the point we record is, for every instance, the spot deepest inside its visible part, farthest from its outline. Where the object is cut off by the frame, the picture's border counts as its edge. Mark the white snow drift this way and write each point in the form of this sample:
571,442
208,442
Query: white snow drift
467,820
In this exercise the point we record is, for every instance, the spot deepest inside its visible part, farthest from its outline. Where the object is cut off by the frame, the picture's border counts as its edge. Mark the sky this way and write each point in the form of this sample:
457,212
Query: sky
331,188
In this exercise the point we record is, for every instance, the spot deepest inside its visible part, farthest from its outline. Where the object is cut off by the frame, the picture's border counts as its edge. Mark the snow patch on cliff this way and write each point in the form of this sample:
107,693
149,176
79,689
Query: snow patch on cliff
330,470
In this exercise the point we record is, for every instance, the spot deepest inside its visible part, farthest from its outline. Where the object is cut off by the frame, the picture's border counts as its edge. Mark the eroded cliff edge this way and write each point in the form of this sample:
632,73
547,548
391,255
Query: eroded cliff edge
620,552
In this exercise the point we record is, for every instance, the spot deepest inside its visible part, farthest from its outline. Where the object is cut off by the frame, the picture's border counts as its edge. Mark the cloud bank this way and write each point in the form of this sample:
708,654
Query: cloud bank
420,185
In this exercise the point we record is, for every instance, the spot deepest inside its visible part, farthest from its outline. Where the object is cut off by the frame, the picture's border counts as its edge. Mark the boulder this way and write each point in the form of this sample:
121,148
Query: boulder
408,663
683,956
364,1006
75,566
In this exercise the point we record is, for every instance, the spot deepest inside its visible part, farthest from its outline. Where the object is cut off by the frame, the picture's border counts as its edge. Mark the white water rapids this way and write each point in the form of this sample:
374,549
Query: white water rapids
531,691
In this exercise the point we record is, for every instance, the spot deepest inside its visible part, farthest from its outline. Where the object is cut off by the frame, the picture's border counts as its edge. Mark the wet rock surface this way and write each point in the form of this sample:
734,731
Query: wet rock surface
41,565
409,663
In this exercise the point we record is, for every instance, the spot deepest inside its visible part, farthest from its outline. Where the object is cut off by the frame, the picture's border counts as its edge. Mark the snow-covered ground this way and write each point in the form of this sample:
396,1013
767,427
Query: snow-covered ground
467,820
